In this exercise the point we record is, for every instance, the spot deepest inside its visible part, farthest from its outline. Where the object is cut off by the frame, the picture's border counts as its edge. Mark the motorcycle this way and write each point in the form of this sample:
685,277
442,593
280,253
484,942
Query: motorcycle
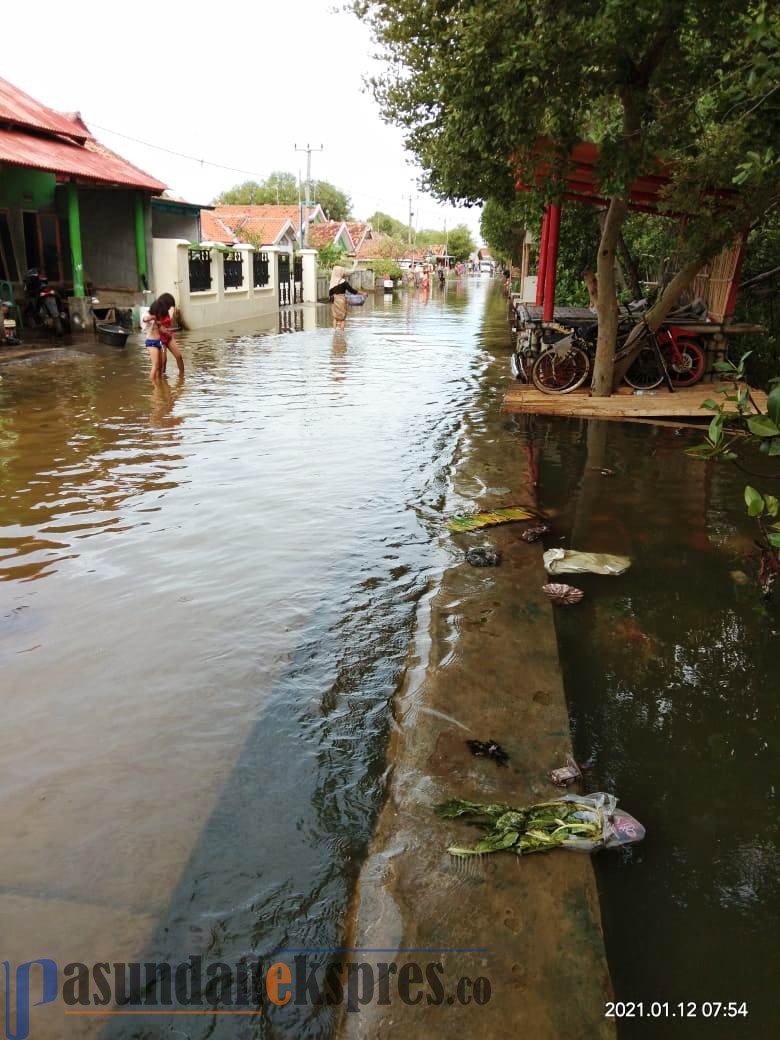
44,306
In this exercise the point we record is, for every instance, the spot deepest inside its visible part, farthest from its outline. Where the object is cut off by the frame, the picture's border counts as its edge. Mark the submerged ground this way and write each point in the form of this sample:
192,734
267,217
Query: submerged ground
208,596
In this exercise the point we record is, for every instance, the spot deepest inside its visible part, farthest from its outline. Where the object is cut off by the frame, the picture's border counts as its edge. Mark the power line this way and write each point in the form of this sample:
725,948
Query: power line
171,151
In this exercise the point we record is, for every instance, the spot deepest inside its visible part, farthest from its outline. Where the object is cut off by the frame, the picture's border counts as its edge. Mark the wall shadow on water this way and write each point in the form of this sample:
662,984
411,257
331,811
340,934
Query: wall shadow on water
671,677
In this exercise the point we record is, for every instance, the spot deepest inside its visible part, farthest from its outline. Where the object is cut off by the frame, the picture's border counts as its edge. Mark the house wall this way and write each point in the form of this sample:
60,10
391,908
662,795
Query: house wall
23,189
180,224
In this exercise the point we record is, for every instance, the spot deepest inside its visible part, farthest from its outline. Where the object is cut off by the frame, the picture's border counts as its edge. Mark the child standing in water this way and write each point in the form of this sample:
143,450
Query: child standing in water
159,336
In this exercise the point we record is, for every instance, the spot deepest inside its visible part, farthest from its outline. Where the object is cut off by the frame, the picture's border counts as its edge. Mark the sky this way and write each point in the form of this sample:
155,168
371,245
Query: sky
235,86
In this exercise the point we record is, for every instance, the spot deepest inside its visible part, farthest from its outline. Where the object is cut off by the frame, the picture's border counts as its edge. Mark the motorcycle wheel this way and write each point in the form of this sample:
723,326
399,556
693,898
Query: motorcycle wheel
644,372
555,373
58,326
517,366
690,368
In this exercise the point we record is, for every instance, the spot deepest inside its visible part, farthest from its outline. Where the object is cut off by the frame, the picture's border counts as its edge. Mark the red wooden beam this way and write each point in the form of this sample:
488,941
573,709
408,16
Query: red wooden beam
551,262
540,270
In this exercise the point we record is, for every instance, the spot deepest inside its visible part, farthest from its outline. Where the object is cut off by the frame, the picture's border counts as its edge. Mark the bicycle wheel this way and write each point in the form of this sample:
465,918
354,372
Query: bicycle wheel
555,373
688,367
644,372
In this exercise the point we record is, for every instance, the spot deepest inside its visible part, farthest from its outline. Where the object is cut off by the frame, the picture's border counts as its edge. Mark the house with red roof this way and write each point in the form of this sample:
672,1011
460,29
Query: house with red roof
71,208
332,233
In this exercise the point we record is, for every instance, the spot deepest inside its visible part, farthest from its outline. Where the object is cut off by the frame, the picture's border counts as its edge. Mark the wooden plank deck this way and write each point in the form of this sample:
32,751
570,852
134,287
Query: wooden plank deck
626,405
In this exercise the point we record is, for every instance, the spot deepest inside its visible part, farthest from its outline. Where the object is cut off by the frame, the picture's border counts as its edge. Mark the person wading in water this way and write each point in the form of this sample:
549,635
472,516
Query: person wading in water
339,287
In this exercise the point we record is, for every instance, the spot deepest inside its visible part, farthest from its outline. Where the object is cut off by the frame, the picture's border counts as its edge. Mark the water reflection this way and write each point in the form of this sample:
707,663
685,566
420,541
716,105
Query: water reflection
669,672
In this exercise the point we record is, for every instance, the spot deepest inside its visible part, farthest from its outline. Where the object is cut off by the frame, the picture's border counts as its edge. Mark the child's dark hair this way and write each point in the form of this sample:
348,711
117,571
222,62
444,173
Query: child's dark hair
161,306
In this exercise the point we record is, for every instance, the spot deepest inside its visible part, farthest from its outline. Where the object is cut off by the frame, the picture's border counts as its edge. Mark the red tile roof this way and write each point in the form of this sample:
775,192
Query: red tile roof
272,212
213,230
319,235
231,224
358,230
20,109
382,247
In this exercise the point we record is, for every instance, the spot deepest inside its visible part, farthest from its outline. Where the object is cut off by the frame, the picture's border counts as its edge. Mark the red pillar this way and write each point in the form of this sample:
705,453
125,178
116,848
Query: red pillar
551,263
540,270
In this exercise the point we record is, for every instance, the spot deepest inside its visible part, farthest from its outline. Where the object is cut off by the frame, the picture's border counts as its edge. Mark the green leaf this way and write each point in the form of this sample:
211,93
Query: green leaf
774,539
773,404
772,505
729,456
715,431
701,451
709,403
762,426
754,501
770,446
724,366
497,516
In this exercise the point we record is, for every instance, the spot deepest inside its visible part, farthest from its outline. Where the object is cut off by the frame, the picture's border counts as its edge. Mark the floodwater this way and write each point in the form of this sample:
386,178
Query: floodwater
207,596
671,673
208,593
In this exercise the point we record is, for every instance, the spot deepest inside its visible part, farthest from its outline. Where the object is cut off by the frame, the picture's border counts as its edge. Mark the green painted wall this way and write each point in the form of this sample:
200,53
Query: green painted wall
28,189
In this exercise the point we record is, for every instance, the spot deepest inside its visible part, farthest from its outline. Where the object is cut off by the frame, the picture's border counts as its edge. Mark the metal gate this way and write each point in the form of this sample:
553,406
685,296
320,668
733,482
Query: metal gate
284,279
298,279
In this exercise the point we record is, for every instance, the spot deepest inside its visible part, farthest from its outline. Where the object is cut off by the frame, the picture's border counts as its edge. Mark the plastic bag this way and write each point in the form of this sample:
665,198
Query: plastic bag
355,299
570,561
583,823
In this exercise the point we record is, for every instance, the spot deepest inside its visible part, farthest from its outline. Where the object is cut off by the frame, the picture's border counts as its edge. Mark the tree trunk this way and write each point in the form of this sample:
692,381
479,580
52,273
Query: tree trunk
630,269
606,307
654,318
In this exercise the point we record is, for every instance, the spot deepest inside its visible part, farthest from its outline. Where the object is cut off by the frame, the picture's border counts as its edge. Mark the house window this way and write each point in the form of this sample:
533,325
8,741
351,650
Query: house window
200,270
260,269
9,270
234,269
42,243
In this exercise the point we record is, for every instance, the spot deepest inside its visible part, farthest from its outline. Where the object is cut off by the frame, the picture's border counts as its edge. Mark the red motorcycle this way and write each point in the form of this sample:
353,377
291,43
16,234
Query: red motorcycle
682,354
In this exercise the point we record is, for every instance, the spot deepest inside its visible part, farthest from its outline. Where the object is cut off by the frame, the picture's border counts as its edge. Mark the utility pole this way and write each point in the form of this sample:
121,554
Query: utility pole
411,214
308,149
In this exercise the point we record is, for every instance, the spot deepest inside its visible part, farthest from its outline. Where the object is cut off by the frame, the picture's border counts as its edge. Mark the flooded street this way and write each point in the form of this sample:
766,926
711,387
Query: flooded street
207,600
209,594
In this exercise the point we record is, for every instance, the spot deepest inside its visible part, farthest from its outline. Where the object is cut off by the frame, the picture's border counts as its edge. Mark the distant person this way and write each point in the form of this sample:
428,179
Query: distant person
442,277
339,287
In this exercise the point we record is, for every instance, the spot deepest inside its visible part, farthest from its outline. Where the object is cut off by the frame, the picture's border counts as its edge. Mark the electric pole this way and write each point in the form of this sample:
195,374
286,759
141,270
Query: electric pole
409,235
308,149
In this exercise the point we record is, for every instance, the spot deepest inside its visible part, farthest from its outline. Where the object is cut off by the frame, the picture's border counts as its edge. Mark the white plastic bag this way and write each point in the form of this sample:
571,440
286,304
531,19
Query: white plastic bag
570,561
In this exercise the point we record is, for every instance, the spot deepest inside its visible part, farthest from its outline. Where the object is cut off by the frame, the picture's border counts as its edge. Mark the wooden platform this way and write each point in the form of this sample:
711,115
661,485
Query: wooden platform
627,405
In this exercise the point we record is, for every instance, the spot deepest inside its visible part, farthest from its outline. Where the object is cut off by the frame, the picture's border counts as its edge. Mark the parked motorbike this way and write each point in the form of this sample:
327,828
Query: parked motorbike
44,306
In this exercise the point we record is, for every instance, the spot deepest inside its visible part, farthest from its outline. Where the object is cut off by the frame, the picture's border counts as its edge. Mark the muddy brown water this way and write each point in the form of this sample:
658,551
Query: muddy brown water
208,593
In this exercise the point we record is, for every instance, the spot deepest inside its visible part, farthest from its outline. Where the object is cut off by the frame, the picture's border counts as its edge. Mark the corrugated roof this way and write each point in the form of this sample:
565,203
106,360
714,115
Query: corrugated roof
90,160
20,109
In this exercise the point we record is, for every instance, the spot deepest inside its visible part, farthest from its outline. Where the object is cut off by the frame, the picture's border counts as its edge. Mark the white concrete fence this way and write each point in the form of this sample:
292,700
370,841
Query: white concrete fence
199,287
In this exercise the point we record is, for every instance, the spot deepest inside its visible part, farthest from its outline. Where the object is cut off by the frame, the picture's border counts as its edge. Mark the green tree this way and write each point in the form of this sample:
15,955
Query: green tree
460,243
476,88
279,187
388,225
336,203
503,227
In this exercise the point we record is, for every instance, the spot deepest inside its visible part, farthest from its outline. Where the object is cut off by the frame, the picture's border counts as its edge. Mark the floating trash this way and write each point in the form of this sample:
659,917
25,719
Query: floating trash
583,823
483,556
533,534
475,521
570,561
565,775
488,749
563,594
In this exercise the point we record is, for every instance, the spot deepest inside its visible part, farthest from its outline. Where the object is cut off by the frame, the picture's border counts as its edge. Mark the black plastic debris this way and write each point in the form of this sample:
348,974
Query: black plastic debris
483,556
488,749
